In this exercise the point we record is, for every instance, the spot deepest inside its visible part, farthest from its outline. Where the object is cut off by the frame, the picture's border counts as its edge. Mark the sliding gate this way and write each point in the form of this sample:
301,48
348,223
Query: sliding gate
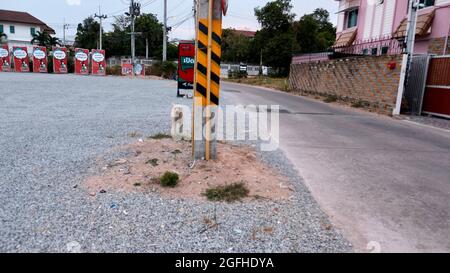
437,91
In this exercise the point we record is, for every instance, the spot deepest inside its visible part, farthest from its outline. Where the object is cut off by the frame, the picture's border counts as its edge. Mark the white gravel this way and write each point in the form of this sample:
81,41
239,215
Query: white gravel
52,129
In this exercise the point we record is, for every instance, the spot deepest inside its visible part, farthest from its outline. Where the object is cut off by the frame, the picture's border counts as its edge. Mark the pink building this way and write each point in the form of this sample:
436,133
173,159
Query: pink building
376,27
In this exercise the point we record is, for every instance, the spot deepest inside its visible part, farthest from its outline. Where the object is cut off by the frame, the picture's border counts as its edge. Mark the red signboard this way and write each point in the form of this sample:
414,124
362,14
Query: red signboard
224,7
40,59
186,63
98,62
5,59
127,69
21,62
81,61
60,60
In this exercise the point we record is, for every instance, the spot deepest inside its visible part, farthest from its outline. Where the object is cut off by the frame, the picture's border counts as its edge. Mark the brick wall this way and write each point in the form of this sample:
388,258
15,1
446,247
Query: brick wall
437,45
356,79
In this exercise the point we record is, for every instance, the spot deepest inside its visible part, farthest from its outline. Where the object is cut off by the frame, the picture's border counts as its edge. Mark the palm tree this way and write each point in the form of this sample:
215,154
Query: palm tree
45,39
54,41
41,38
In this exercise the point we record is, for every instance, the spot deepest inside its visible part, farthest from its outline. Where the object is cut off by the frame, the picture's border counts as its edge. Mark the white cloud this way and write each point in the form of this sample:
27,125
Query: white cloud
73,2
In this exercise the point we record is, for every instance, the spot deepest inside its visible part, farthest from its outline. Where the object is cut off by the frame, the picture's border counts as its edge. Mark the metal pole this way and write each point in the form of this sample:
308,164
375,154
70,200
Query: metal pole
164,57
208,82
196,3
407,55
64,32
146,48
446,41
133,42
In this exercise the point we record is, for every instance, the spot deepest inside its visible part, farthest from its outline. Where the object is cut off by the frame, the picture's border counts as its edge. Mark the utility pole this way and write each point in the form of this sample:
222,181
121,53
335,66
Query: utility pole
164,57
64,31
135,10
101,17
410,40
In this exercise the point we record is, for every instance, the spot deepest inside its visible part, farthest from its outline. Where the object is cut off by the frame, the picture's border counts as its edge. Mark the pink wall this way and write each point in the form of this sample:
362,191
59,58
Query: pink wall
440,27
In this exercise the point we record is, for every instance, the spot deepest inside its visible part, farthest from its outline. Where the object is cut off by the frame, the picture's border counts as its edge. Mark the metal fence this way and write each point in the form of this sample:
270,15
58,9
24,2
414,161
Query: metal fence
383,45
416,81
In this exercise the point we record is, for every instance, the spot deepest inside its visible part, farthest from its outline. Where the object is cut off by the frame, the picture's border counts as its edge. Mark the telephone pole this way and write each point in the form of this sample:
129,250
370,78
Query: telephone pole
101,17
410,39
164,57
65,26
135,10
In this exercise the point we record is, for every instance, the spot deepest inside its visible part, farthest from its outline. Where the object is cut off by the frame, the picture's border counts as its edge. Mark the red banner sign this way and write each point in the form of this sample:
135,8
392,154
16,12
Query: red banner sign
5,59
98,62
81,61
21,62
40,59
60,60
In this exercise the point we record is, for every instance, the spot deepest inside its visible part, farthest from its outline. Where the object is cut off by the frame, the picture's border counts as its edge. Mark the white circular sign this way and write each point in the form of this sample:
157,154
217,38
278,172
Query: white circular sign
138,69
39,54
81,56
3,53
59,54
20,53
98,57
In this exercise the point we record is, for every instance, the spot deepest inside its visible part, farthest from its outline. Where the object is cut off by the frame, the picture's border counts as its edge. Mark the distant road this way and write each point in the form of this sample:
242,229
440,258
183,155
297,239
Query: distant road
380,180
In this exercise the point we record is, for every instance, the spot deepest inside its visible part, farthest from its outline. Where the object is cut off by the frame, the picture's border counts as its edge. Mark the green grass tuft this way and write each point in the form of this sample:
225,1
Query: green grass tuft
160,136
153,162
230,193
169,180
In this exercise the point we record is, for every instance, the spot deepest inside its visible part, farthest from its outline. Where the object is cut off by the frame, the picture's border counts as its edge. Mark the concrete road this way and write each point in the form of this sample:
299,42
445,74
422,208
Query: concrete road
385,183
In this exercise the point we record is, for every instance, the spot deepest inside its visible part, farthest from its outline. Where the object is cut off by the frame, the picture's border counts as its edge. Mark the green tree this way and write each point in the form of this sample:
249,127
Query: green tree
235,46
44,39
152,32
87,33
314,32
117,42
276,39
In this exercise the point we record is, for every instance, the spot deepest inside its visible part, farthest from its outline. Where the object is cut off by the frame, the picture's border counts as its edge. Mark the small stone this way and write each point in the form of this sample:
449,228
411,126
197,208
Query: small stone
73,247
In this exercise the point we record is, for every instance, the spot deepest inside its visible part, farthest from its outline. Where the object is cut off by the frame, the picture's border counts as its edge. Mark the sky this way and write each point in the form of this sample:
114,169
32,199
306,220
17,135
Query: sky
240,12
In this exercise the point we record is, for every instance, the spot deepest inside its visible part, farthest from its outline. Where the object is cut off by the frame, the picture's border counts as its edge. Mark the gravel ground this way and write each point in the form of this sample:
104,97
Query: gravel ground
52,129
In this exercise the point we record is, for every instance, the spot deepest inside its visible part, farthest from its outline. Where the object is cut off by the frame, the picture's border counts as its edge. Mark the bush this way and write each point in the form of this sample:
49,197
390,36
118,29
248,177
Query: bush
169,179
230,193
330,98
167,70
115,70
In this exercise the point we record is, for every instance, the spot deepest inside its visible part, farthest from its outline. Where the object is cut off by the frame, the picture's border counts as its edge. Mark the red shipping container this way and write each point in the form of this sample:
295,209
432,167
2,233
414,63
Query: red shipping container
21,62
5,59
40,59
98,62
60,60
81,61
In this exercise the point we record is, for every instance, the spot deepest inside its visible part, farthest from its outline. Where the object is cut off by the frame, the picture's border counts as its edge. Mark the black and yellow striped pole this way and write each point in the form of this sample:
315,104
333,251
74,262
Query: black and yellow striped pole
207,77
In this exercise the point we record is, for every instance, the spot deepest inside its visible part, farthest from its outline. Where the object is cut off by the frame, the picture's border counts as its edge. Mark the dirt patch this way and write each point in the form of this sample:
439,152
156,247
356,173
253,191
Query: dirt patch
151,158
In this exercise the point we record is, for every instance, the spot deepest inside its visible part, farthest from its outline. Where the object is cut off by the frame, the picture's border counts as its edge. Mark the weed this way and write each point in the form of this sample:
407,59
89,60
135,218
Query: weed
153,162
330,98
169,179
230,193
134,134
160,136
358,104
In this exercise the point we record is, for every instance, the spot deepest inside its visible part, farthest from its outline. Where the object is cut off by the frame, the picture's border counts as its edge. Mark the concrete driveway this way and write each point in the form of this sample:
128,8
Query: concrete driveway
385,183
